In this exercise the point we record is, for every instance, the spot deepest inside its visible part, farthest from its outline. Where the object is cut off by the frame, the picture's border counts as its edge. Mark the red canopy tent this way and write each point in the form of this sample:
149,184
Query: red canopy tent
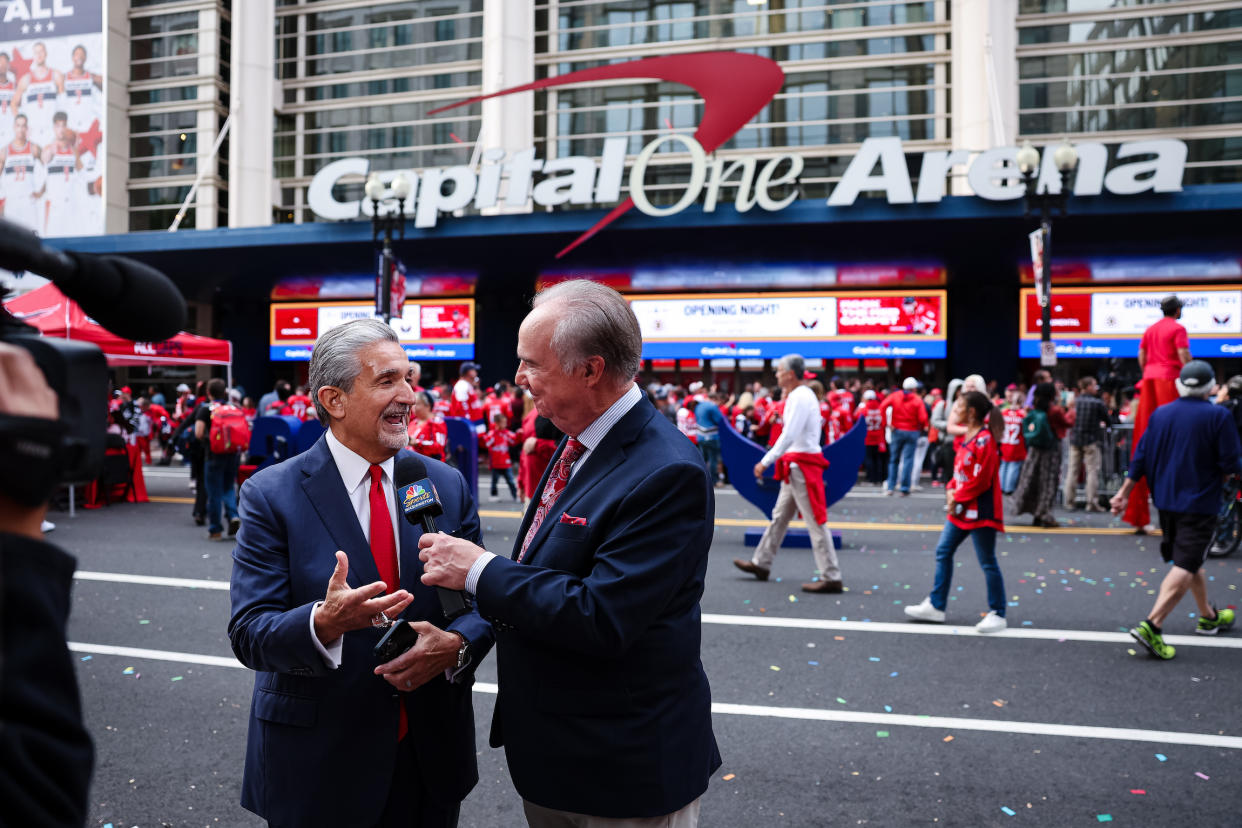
54,314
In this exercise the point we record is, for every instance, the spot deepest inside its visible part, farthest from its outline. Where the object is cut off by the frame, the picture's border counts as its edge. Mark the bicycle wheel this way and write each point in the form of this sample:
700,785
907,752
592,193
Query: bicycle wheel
1228,534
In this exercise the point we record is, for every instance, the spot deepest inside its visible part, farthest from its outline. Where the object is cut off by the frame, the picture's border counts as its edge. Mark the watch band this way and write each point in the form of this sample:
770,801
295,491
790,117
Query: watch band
463,651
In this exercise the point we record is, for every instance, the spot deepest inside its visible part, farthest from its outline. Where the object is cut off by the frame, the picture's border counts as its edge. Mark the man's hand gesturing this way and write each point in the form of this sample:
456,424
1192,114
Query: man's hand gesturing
344,609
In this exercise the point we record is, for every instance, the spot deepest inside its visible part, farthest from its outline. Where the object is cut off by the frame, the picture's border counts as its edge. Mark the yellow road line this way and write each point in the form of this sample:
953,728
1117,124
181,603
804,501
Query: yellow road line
853,526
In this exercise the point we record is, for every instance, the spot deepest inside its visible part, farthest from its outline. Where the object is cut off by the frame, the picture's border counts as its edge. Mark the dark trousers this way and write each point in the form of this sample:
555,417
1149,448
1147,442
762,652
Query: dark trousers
409,805
874,464
197,468
507,475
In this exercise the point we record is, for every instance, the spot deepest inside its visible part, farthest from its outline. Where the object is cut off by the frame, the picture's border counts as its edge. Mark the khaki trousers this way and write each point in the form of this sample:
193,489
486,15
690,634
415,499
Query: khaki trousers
538,816
1089,456
793,498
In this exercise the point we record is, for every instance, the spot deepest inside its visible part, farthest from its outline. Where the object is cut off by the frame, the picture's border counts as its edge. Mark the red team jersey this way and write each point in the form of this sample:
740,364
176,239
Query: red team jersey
300,406
1012,444
875,422
429,438
774,421
493,405
498,440
976,484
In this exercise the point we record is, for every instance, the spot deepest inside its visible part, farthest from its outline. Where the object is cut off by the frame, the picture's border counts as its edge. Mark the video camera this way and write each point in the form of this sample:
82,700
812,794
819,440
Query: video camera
128,298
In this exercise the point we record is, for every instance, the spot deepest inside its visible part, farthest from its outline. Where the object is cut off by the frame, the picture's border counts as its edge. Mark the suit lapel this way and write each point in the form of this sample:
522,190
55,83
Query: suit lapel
609,454
326,492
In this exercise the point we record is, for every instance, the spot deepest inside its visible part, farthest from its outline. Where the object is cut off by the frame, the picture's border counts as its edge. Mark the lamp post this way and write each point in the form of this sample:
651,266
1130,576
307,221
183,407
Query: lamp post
1066,160
385,224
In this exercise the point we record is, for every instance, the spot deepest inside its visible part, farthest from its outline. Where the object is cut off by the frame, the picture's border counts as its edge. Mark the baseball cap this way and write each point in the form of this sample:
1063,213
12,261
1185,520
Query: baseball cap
1013,386
868,394
182,388
910,384
1197,374
468,366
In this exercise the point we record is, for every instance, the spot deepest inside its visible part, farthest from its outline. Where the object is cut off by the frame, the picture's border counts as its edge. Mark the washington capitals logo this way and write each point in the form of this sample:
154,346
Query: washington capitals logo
734,88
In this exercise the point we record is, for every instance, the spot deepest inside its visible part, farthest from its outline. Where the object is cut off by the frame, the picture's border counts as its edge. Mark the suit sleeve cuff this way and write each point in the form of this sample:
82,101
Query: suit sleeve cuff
331,654
472,577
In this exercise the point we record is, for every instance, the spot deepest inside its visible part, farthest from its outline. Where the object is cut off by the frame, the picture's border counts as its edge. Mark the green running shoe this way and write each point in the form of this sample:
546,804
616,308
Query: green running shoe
1152,640
1221,623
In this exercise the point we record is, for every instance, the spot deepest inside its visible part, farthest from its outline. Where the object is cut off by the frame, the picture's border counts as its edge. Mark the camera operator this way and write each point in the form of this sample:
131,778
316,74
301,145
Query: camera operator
46,756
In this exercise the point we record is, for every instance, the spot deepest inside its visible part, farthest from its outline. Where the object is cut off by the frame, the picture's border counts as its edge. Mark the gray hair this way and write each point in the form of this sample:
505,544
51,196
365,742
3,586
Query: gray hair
596,321
1202,392
792,362
335,359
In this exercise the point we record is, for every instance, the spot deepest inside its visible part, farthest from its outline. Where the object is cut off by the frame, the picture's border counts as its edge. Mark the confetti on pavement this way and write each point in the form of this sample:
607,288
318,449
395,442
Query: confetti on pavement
882,734
87,658
1138,791
947,739
1162,757
1202,775
175,678
840,700
1104,817
1007,810
128,671
813,663
729,777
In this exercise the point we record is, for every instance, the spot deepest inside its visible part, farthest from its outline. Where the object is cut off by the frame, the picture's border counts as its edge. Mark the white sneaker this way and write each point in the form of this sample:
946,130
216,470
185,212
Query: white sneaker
493,498
925,612
916,488
47,526
991,623
888,492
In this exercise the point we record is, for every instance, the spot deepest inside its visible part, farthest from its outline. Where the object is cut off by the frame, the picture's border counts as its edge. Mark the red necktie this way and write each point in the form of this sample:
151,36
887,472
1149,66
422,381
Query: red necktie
552,489
384,550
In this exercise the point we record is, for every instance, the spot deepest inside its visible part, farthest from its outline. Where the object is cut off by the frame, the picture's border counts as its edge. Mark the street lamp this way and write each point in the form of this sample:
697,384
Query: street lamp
1066,159
375,191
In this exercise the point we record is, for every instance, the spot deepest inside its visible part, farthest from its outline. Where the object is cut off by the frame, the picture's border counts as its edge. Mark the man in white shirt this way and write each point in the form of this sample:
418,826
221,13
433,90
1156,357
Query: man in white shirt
800,468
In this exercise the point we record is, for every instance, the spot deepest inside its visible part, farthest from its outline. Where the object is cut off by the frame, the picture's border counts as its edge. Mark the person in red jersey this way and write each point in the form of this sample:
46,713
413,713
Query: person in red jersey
499,440
909,420
976,511
497,402
428,433
299,405
869,408
1163,350
1012,444
918,316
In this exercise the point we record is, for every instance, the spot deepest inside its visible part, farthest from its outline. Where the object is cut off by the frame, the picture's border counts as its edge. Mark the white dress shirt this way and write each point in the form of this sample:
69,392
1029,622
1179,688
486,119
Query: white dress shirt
802,424
355,472
590,438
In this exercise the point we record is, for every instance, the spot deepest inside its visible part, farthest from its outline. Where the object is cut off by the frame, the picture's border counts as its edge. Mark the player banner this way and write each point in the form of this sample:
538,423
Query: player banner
51,115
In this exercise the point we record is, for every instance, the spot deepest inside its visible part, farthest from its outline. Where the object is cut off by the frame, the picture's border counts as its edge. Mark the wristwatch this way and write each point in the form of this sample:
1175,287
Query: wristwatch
463,654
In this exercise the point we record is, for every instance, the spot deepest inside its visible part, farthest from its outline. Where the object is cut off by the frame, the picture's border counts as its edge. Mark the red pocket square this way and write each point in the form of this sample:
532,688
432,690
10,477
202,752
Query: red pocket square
573,521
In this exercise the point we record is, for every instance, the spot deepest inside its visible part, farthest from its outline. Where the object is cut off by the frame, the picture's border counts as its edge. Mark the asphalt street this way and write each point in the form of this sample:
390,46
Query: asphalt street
829,709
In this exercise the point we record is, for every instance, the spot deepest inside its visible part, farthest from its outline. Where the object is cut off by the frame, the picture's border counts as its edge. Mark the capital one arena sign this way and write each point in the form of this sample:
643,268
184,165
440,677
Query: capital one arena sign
734,88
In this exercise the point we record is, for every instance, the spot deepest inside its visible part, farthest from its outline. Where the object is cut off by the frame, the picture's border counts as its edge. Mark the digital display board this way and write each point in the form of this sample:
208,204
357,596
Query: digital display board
754,276
1109,322
428,329
1121,270
817,325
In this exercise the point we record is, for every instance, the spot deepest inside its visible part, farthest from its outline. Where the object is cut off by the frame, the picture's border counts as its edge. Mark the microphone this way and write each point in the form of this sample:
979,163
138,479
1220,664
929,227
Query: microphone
419,501
130,299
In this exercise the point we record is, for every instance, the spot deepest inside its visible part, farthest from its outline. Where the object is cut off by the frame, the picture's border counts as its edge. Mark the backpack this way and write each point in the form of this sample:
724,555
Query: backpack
229,432
1036,429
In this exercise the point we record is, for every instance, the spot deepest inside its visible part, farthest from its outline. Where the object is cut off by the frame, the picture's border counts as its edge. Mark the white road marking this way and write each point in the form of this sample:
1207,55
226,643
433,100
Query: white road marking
906,628
909,628
151,580
1167,737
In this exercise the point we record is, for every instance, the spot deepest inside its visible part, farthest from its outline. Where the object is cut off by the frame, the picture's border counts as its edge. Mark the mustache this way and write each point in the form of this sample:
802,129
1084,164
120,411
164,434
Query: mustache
397,410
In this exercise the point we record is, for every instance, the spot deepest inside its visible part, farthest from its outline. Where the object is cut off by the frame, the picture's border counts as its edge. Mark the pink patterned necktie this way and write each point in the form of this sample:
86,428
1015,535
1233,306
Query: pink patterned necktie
552,489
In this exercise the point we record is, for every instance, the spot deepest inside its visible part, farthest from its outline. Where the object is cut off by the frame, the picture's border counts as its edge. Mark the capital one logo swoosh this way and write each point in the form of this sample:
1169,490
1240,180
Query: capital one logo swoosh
734,87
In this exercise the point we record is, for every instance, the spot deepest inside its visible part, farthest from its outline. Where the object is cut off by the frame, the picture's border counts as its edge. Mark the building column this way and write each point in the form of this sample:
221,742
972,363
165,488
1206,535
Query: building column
508,122
115,163
985,78
252,104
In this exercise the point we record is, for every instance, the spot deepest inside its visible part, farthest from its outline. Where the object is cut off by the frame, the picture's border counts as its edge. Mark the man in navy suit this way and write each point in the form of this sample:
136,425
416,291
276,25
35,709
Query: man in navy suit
604,710
322,560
